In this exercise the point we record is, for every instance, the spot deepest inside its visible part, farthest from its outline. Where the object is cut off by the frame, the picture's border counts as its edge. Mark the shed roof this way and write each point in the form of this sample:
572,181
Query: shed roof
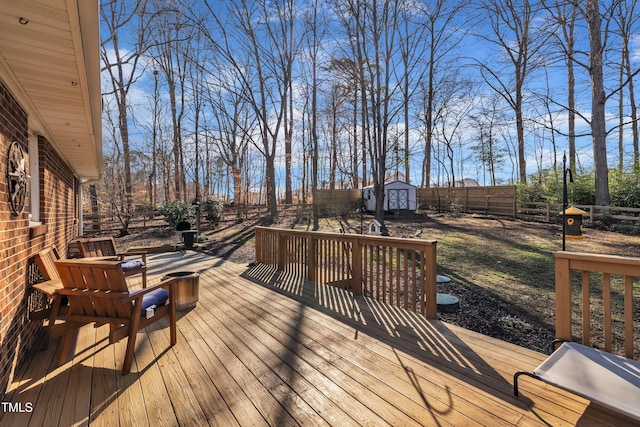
393,181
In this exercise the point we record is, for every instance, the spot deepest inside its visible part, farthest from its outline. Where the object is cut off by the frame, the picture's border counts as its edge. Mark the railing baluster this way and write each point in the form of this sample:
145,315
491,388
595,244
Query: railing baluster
370,281
606,308
383,282
586,309
628,316
414,277
356,253
378,273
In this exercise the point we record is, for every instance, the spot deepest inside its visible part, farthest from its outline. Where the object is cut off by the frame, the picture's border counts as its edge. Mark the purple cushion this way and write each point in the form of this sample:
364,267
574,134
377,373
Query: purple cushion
131,265
157,297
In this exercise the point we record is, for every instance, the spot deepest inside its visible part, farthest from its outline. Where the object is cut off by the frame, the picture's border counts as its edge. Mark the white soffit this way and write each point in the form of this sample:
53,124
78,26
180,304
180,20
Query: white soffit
50,61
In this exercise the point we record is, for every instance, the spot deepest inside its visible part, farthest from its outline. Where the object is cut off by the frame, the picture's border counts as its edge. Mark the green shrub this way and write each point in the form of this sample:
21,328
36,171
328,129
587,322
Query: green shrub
546,186
604,218
582,191
532,192
177,211
213,209
624,189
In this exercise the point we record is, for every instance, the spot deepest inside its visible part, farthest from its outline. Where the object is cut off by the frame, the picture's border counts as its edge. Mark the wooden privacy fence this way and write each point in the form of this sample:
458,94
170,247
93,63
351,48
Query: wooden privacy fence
498,200
338,201
590,286
400,272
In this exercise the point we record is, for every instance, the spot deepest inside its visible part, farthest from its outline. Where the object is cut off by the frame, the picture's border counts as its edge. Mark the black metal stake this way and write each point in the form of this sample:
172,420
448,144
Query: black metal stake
565,201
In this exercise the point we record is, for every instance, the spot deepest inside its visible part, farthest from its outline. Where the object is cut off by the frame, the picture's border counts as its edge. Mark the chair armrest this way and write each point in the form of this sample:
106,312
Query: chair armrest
49,287
100,258
142,254
133,253
138,293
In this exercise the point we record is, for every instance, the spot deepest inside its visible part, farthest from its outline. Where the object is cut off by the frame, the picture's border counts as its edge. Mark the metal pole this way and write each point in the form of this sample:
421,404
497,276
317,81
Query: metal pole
565,201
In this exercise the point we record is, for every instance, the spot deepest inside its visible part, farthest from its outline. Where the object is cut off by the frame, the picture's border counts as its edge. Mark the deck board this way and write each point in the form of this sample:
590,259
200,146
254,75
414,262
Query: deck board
262,348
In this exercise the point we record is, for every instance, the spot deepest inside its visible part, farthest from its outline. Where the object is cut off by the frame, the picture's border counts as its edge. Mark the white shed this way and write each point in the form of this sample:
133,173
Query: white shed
398,196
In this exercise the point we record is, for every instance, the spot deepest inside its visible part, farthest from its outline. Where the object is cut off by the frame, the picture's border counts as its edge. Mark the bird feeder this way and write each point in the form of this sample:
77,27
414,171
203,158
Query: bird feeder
375,227
573,222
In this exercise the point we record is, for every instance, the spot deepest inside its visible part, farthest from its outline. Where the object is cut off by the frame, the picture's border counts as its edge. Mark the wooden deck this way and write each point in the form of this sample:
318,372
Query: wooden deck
263,349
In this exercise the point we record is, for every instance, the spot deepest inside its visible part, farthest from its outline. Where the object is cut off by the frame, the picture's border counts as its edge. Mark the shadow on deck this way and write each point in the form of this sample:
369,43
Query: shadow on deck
264,348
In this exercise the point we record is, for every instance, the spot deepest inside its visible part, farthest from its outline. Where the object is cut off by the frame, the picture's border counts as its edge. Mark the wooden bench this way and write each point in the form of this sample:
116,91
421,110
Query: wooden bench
607,379
100,247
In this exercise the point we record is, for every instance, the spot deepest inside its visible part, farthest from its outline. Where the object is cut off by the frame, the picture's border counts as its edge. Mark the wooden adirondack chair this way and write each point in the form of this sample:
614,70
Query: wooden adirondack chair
97,292
106,247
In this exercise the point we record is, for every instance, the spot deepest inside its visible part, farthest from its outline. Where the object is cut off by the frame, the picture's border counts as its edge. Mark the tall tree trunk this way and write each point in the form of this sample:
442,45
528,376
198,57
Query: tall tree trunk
598,100
627,18
571,95
177,141
126,156
288,136
621,117
357,183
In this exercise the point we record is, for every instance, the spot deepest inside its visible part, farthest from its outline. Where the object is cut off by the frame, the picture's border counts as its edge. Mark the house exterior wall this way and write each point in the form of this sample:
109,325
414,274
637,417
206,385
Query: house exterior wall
20,239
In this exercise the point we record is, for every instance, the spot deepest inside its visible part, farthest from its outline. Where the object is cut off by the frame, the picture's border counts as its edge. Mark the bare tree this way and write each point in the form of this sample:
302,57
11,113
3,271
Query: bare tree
412,33
488,152
564,15
627,18
343,72
455,112
371,28
171,52
121,65
598,101
514,33
235,124
254,40
313,39
437,19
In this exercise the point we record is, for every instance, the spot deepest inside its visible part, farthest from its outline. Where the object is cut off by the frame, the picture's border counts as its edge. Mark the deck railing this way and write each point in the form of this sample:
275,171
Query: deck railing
591,286
400,272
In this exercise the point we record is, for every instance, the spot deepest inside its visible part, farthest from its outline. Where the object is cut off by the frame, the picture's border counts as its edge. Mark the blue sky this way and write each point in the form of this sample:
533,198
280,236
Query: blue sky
473,48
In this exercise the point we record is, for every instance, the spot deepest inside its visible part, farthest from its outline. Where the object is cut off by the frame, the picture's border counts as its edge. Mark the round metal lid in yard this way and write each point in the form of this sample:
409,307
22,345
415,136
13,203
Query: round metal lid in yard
442,279
446,301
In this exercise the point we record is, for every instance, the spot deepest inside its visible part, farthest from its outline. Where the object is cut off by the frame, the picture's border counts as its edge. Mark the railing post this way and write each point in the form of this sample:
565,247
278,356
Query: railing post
431,290
312,257
259,237
356,266
563,297
281,250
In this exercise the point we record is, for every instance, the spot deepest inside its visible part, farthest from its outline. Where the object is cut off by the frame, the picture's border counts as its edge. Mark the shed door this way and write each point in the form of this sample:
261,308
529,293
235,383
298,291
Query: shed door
398,199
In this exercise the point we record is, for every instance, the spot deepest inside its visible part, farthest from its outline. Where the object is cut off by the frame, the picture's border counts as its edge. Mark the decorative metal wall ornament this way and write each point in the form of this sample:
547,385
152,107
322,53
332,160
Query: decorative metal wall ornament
17,178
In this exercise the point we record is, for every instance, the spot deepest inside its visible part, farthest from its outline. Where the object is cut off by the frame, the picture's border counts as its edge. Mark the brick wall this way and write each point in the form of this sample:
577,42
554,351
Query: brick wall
58,198
19,241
